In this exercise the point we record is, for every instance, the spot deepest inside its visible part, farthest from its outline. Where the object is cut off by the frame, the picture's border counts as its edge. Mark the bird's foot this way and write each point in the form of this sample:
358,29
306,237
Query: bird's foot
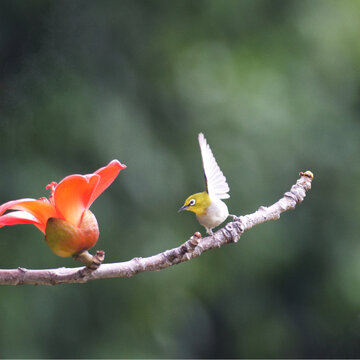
209,231
234,217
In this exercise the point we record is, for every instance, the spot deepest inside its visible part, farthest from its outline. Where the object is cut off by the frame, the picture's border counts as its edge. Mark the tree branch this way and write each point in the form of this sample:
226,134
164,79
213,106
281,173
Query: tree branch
192,248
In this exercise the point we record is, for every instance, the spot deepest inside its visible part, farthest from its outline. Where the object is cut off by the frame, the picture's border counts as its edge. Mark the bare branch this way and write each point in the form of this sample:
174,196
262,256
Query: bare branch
192,248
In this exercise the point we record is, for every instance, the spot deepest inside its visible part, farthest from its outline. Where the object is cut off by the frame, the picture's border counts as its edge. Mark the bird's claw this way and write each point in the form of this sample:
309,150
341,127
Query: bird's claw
209,232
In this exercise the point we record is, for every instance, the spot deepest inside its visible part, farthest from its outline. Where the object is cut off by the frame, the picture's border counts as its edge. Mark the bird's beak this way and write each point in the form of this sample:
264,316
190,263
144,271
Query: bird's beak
183,208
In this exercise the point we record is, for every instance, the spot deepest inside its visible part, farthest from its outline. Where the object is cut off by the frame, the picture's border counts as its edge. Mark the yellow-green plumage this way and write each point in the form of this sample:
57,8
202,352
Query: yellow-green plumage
202,202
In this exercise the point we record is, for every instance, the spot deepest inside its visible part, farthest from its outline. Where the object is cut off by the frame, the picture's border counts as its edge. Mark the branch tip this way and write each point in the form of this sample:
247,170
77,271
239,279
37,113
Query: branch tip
308,174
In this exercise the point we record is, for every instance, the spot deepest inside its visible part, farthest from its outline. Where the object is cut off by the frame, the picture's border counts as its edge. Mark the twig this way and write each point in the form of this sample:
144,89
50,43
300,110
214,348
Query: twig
192,248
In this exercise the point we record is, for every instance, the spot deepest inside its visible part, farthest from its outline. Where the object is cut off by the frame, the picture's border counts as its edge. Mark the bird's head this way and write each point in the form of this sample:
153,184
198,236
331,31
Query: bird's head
197,203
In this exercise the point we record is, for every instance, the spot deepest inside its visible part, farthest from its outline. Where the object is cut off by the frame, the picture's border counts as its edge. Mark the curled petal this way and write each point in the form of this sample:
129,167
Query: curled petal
72,196
9,204
107,175
42,209
20,217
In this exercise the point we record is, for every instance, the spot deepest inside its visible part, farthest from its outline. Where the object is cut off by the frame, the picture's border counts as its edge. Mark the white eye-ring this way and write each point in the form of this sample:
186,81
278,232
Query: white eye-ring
192,202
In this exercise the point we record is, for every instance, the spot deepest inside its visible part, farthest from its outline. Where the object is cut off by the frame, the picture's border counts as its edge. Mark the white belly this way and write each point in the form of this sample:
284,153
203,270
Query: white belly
216,213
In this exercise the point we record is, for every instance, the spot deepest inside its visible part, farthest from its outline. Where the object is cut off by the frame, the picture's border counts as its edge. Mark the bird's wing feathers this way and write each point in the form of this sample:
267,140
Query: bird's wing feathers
216,184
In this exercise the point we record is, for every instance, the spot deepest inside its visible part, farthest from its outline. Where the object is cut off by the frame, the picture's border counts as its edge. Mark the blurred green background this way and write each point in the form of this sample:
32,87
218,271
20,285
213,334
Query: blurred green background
275,87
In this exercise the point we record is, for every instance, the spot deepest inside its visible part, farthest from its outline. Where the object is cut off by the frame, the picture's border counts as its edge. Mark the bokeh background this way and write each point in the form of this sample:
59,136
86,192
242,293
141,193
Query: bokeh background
275,87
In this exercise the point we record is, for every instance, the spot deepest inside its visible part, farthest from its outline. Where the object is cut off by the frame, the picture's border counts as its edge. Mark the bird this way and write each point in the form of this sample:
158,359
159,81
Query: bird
208,206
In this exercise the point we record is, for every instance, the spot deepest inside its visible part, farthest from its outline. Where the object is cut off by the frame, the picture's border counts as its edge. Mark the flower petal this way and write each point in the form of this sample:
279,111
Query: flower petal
20,217
42,209
72,196
107,175
9,204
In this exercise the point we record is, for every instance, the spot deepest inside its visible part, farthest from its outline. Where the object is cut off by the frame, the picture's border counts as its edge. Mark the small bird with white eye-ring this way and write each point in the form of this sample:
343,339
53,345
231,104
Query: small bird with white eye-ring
210,210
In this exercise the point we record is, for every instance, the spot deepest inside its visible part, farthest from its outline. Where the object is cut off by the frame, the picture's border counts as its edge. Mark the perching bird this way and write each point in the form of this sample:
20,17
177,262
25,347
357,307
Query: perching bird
209,209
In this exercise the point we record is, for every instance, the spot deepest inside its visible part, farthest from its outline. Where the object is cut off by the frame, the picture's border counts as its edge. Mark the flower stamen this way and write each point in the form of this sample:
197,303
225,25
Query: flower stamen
51,187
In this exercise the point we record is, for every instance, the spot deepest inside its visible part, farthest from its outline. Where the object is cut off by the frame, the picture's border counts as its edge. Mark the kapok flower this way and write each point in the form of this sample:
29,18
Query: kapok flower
69,226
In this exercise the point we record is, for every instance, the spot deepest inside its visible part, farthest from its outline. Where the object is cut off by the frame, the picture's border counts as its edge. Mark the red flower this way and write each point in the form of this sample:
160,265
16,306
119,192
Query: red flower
65,219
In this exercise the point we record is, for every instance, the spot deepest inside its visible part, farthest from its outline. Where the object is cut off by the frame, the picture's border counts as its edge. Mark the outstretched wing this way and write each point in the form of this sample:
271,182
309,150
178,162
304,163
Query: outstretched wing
216,184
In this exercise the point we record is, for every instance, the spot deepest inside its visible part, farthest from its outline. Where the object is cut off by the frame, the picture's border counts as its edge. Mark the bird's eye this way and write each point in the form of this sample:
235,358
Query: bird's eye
192,202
